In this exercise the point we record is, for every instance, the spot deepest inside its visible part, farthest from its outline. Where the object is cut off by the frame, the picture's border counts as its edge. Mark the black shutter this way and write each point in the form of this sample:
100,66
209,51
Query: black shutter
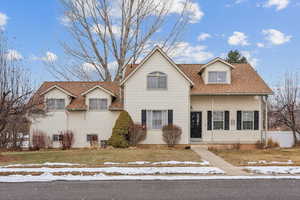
144,117
256,120
170,117
239,120
209,120
227,120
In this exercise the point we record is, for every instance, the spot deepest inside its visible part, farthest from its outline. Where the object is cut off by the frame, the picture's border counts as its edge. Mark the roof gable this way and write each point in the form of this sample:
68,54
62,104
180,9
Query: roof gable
217,60
59,88
157,49
99,87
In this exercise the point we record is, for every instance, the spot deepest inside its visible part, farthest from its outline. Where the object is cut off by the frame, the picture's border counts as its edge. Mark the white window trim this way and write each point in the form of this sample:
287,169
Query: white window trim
213,125
55,109
242,120
99,110
162,74
150,127
217,82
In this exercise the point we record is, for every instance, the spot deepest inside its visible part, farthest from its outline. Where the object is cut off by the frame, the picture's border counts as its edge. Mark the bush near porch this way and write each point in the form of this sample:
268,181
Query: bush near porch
242,157
98,157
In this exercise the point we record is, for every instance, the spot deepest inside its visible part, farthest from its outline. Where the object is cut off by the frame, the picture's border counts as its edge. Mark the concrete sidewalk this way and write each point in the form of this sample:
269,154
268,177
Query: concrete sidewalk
217,161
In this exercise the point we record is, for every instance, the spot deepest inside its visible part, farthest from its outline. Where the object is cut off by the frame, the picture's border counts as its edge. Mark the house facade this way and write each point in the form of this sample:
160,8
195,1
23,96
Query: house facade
215,103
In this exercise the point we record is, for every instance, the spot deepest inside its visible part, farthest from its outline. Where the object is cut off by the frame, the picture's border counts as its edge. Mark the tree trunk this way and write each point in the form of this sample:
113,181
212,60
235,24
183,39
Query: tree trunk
295,138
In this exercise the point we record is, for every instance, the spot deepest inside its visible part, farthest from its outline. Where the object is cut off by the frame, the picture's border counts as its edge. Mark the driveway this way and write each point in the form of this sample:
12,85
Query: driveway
173,190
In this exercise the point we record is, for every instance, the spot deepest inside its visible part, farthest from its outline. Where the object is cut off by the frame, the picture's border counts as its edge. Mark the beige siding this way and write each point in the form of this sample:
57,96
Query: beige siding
217,66
232,104
176,97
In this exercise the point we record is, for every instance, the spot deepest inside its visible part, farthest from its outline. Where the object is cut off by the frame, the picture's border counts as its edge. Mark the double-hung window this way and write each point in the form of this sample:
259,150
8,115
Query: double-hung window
156,119
97,104
218,120
217,77
157,80
55,104
247,120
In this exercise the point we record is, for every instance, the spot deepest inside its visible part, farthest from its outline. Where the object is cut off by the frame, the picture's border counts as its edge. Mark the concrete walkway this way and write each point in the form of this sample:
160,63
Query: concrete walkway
217,161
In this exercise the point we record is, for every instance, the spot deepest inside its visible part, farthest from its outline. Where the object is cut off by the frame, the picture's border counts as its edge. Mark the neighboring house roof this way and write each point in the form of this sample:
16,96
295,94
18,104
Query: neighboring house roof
77,88
157,48
244,80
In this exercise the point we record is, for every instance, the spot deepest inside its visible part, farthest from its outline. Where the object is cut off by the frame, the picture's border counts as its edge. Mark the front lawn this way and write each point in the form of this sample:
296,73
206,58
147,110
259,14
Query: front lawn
97,157
271,156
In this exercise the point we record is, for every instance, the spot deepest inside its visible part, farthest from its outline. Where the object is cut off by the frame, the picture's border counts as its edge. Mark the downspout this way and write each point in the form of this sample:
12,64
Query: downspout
212,110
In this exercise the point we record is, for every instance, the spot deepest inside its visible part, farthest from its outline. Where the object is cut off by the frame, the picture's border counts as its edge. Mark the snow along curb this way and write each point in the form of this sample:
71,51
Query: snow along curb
121,170
50,178
274,169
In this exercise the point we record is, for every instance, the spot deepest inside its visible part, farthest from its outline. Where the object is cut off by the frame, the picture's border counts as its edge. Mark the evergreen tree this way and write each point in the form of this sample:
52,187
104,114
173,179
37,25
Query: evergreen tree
235,57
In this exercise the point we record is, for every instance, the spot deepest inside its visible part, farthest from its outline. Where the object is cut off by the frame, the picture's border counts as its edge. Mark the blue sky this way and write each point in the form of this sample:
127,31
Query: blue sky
266,31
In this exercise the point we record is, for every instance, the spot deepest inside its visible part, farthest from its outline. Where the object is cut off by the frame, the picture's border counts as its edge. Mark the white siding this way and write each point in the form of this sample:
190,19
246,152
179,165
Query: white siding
176,97
80,122
232,104
54,121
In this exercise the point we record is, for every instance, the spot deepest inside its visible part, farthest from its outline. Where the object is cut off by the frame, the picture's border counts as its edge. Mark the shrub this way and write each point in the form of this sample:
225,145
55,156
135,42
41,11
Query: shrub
118,141
137,134
38,140
236,146
94,141
121,130
171,134
272,144
259,145
67,139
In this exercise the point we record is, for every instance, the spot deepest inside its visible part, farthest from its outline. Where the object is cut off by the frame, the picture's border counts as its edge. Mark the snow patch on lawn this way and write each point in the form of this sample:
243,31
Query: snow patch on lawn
204,162
42,164
289,162
122,170
101,177
172,162
274,169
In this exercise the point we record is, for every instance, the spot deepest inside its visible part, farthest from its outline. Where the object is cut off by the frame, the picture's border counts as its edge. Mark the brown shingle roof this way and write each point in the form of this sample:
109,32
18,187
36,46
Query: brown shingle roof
76,88
244,80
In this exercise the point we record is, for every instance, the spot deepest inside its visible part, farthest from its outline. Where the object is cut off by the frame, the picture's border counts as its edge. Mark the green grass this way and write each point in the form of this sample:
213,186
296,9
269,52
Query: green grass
97,157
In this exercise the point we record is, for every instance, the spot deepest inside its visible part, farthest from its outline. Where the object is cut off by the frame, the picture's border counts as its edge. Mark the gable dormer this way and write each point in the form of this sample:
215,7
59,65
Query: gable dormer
217,71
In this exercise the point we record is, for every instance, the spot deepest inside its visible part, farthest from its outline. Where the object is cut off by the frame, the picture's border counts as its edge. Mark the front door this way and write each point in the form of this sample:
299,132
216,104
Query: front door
196,124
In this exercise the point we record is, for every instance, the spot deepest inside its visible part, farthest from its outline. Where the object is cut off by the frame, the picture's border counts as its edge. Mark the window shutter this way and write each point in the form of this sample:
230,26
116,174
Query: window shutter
239,120
209,120
256,120
227,120
144,118
170,117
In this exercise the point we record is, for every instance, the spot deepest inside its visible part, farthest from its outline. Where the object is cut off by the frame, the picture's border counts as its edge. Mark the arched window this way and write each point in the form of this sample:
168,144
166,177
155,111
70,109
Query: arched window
157,80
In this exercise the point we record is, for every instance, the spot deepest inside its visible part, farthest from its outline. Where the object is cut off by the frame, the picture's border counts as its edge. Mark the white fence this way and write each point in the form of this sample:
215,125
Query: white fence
284,138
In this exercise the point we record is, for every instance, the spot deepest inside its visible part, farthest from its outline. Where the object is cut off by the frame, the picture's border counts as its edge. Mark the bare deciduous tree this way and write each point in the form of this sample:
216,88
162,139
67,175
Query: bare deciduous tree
15,92
286,102
118,31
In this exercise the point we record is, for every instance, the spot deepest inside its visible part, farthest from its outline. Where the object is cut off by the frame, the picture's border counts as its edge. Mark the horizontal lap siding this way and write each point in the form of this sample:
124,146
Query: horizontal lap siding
232,104
176,97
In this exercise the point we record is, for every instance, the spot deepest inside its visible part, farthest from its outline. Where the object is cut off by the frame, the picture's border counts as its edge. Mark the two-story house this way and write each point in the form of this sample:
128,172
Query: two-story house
217,102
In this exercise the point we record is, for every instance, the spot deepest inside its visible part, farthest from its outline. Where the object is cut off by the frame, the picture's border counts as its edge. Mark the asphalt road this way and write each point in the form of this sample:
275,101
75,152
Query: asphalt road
173,190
